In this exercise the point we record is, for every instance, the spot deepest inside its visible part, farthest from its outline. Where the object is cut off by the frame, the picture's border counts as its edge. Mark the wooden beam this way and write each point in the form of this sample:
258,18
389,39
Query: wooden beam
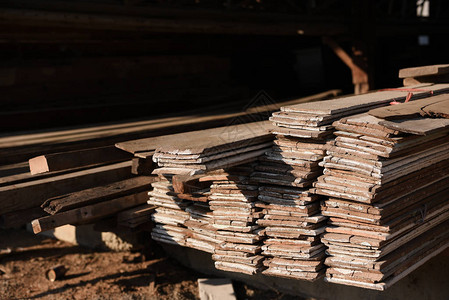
98,194
34,193
75,159
97,21
88,213
359,75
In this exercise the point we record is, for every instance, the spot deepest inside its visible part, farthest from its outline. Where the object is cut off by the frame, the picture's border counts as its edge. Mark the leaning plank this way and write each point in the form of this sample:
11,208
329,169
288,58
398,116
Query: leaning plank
88,213
98,194
75,159
34,193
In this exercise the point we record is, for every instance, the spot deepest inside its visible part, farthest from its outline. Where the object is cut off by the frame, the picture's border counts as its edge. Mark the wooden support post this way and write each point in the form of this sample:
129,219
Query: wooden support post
360,77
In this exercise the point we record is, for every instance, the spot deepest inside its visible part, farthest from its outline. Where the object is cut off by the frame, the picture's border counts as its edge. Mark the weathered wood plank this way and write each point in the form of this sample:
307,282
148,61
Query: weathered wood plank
98,194
76,159
88,213
34,193
424,71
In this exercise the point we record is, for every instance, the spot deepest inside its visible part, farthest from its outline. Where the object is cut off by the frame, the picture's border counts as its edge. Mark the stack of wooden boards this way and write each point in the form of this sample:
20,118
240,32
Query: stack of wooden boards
56,175
388,207
232,201
170,215
292,220
81,158
187,218
206,150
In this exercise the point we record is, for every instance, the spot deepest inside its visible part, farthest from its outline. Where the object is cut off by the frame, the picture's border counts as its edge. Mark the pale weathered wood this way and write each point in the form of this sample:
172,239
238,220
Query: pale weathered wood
349,104
201,141
413,109
419,126
424,71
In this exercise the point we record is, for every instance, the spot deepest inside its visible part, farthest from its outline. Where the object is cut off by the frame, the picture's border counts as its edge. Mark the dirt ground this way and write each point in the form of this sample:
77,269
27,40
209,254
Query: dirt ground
97,274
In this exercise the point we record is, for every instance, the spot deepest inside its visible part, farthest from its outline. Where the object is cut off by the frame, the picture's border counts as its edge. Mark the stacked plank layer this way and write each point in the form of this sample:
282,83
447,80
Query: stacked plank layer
387,201
170,215
199,152
232,201
201,233
292,218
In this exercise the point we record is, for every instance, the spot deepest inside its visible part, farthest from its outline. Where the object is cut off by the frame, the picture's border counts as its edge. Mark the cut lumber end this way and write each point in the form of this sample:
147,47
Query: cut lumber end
36,226
38,165
142,166
216,288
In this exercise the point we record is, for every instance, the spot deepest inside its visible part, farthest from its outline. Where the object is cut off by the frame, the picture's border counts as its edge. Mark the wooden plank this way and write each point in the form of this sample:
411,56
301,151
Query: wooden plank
98,194
412,109
419,126
200,141
88,213
349,104
14,169
187,184
76,159
437,110
424,71
19,218
34,193
410,81
142,166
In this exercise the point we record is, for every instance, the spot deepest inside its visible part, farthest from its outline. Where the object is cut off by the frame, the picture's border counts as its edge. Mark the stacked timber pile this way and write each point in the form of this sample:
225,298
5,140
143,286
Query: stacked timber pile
136,216
387,186
207,150
232,201
24,190
170,215
202,235
293,225
292,216
184,215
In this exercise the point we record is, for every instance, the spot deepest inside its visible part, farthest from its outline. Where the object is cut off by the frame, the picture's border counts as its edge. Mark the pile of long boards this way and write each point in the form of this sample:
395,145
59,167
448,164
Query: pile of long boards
198,152
293,221
63,182
387,197
271,221
54,163
233,197
221,217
